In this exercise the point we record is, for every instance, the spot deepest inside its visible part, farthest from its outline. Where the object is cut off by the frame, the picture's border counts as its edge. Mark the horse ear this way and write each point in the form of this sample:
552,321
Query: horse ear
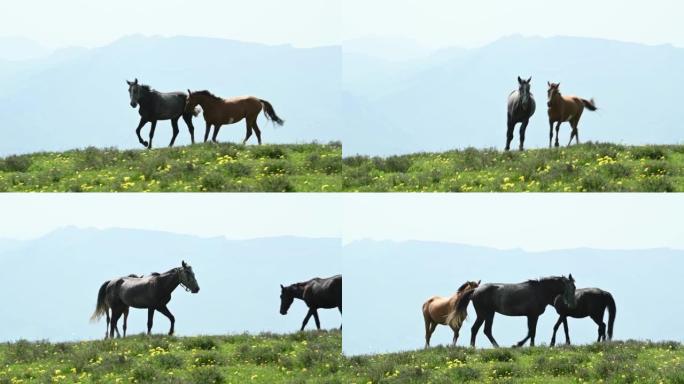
549,83
478,282
571,278
136,81
281,286
189,92
519,80
183,264
128,82
529,80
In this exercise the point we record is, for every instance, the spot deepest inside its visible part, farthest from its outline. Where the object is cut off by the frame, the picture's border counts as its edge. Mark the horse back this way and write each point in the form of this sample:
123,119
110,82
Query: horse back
324,293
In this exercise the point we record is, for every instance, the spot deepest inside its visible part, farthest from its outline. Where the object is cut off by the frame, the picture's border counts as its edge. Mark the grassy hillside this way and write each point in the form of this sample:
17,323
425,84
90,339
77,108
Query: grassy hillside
629,362
314,357
203,167
296,358
584,168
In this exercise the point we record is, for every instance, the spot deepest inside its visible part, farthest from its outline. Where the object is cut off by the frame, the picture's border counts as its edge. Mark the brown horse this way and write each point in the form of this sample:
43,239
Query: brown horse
218,111
442,310
565,108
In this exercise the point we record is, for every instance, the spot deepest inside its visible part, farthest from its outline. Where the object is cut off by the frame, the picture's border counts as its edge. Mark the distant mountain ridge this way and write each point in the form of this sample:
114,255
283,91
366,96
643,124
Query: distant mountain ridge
456,98
78,97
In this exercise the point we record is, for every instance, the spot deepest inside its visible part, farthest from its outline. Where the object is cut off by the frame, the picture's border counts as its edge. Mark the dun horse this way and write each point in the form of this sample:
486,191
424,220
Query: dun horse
152,292
565,108
521,107
523,299
155,106
316,293
590,302
218,111
442,310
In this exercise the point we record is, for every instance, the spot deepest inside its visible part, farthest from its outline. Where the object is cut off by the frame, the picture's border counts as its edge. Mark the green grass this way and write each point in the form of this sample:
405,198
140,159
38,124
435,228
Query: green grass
203,167
588,167
294,358
629,362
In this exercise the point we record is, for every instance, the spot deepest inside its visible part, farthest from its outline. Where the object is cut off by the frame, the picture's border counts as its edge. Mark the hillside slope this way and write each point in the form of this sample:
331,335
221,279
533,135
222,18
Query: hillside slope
206,167
585,168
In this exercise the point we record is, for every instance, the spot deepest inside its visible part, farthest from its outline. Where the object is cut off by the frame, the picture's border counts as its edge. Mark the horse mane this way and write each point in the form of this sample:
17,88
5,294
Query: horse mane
208,94
155,274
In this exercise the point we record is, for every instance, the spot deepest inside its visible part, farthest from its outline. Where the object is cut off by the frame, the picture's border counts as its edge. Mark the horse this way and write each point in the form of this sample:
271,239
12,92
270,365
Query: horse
152,292
565,108
218,111
529,299
442,310
521,107
591,302
155,106
316,293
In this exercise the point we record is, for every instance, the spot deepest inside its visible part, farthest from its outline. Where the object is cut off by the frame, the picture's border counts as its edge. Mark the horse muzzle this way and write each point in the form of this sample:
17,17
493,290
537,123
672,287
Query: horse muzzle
283,312
194,290
133,105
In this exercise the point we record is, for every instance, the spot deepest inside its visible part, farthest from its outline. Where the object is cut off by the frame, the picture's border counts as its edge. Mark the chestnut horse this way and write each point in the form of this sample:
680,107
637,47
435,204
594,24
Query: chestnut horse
218,111
442,310
565,108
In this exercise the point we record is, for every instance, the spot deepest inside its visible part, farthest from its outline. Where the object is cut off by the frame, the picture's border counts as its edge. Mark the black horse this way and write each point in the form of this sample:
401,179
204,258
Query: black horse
590,302
523,299
152,292
156,106
521,107
316,293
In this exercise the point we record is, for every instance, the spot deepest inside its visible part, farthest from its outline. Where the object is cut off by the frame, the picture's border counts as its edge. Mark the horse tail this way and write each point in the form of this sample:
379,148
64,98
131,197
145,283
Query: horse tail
590,104
459,312
101,306
270,113
611,316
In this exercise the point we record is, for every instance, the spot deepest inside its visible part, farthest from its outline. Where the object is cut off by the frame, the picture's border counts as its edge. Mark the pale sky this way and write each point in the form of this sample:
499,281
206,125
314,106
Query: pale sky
302,23
533,222
234,215
439,23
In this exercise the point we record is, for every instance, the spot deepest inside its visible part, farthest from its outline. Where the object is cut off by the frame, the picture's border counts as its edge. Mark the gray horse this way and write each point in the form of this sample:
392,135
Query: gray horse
521,107
152,292
155,106
529,299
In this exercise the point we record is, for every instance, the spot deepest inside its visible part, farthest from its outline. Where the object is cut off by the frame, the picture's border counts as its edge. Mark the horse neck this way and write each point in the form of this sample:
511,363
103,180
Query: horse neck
298,292
169,281
206,101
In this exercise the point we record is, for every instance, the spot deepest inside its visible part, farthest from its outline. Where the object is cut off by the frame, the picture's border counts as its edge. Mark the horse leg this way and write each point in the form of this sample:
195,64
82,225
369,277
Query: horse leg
165,311
509,133
125,324
206,132
115,318
217,127
257,131
601,327
555,329
566,330
318,322
187,117
247,135
455,339
174,126
523,128
550,133
306,318
340,308
108,321
428,325
150,317
531,330
137,131
558,124
489,320
475,329
152,128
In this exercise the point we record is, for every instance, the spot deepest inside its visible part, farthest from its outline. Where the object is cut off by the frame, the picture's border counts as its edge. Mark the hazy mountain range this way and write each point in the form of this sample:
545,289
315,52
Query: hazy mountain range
50,284
78,97
456,98
386,284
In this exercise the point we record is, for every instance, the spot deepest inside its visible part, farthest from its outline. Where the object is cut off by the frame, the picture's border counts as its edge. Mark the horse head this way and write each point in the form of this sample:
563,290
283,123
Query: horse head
569,290
524,89
286,298
468,285
134,92
553,92
187,278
